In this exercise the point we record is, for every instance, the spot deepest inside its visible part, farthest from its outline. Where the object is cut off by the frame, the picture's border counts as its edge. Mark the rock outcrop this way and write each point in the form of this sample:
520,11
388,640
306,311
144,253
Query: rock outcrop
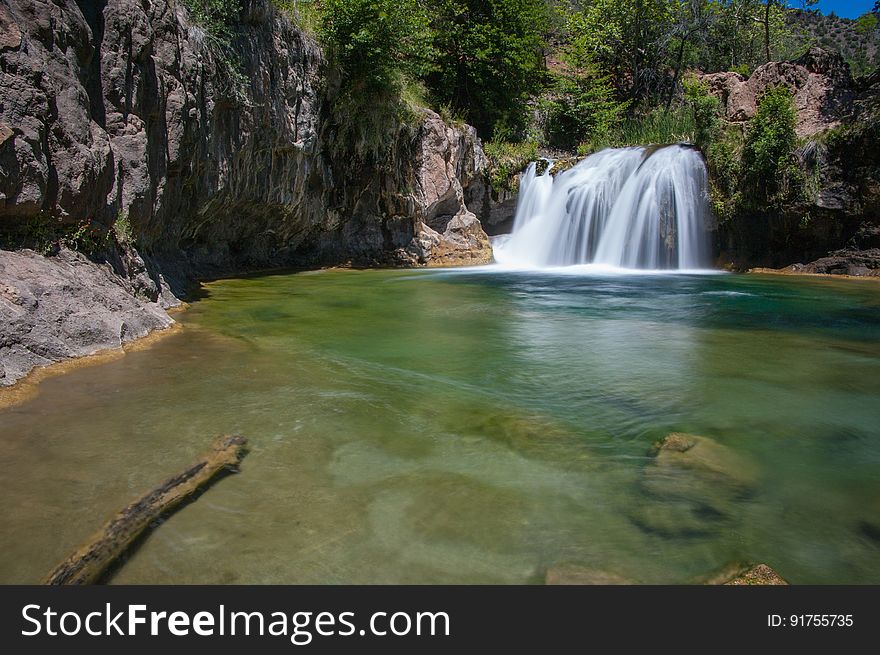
820,81
838,118
220,155
54,308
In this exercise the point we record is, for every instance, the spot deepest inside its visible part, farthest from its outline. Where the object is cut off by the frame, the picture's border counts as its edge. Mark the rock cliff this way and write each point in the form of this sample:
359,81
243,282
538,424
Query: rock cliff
215,156
837,119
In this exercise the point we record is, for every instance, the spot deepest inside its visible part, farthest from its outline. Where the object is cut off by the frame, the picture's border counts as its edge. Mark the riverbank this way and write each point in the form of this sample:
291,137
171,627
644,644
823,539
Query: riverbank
795,271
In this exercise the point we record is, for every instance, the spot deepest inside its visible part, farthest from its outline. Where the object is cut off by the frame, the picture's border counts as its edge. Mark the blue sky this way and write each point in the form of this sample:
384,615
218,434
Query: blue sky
844,8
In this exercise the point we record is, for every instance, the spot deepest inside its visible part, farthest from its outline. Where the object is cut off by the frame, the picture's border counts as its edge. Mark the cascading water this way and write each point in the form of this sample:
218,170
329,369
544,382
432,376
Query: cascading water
642,208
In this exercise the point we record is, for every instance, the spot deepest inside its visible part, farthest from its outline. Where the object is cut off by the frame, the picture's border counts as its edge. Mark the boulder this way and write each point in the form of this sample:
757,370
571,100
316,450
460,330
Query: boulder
820,81
691,484
54,308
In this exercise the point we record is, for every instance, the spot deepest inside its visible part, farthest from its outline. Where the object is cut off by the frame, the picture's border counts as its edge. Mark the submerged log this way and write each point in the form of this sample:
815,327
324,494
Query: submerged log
86,565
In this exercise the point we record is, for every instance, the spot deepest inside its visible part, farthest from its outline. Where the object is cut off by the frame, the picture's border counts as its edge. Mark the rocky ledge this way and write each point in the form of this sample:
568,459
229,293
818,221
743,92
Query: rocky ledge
55,308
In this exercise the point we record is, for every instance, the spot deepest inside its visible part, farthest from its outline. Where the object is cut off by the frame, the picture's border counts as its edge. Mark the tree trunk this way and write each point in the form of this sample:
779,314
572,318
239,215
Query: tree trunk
87,564
678,65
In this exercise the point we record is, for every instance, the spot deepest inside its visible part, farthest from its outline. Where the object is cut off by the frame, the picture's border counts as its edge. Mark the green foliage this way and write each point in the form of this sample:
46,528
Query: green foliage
582,107
216,16
488,60
705,108
123,230
506,160
724,159
655,127
305,14
628,39
866,23
769,167
379,47
46,234
375,43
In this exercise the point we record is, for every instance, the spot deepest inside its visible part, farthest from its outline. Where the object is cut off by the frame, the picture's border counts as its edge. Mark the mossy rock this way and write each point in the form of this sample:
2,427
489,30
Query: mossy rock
692,485
702,457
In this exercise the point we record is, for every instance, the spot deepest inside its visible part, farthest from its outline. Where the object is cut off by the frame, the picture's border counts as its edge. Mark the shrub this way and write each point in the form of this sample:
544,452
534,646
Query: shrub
582,108
216,16
705,108
769,166
506,160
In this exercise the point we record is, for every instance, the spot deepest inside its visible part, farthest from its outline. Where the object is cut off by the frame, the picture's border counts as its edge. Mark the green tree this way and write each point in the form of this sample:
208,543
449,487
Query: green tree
866,23
627,39
375,42
489,60
376,47
690,29
747,33
582,107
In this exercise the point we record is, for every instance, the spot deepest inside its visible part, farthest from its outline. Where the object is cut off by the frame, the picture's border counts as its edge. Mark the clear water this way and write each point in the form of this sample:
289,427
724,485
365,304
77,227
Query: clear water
469,426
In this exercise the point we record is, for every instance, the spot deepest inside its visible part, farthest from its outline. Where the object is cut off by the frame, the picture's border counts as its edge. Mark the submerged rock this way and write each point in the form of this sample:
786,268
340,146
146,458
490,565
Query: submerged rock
700,456
691,484
579,575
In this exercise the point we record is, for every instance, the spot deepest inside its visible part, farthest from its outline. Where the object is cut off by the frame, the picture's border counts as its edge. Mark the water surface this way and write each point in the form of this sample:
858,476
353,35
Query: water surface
468,426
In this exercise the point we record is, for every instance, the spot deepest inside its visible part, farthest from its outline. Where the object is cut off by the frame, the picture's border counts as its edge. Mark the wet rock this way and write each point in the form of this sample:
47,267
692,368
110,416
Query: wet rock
703,457
862,263
578,575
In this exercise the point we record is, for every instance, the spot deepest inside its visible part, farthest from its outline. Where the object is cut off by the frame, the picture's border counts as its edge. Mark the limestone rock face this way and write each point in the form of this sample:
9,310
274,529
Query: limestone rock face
448,161
820,80
220,159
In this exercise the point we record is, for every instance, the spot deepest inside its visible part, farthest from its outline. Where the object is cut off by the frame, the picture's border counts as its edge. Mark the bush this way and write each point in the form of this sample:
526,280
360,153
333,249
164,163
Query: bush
506,160
376,42
216,16
769,166
582,108
705,108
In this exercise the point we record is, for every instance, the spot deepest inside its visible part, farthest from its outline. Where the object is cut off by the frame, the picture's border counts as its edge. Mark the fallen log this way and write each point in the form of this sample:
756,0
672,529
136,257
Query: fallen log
87,564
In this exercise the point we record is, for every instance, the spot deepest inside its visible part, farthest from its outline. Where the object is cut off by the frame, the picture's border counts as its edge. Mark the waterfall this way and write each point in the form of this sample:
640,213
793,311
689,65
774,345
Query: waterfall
641,208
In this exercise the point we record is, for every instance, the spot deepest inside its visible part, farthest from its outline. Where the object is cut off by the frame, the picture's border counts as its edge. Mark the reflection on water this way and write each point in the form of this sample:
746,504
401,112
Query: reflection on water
478,426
